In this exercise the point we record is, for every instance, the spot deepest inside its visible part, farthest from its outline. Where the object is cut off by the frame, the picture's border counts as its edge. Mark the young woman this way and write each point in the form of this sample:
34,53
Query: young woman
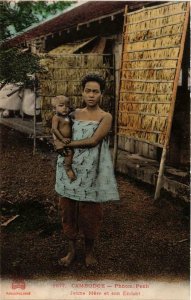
80,200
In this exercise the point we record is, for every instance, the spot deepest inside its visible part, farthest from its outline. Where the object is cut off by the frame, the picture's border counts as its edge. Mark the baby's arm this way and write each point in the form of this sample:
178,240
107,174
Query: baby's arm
56,132
97,137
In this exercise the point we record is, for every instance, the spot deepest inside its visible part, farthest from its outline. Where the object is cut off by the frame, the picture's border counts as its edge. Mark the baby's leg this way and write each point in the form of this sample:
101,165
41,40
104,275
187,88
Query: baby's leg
68,164
58,145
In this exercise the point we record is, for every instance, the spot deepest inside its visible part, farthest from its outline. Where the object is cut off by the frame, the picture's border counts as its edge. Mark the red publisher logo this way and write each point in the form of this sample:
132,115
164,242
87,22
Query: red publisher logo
18,284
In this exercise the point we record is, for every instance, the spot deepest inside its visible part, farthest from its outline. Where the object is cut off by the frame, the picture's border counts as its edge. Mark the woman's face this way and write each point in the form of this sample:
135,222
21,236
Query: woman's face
92,93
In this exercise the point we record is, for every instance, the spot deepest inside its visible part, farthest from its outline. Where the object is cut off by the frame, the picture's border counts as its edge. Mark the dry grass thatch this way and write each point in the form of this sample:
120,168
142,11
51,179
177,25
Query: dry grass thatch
151,47
64,74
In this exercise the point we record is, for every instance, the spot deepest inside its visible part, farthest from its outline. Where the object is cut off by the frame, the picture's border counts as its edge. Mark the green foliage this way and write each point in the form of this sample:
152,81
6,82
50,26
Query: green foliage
13,19
15,66
17,16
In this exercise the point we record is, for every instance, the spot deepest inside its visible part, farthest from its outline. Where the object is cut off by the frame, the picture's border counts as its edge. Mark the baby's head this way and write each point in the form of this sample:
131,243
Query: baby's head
61,104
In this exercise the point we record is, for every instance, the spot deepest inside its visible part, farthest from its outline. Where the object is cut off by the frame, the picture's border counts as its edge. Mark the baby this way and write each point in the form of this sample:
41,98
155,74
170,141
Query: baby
62,132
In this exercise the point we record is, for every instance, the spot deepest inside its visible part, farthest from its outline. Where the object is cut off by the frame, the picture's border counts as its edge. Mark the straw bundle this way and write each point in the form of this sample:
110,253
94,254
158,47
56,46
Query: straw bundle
145,87
149,74
148,64
165,10
148,108
155,23
154,54
160,42
59,73
153,33
142,122
132,97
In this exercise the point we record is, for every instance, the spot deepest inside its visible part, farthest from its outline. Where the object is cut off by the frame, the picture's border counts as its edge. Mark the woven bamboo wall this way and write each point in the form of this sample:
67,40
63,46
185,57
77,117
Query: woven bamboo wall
151,47
64,75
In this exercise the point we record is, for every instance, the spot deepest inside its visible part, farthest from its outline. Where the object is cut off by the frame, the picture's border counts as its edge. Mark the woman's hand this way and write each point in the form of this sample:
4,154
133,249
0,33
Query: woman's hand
66,141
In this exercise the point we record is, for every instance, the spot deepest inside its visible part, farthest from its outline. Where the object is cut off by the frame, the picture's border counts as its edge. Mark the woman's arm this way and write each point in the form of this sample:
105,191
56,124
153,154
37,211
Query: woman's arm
99,134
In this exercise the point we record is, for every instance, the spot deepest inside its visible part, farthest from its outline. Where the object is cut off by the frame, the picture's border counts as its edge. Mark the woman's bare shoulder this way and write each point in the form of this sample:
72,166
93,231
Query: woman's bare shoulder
74,114
105,115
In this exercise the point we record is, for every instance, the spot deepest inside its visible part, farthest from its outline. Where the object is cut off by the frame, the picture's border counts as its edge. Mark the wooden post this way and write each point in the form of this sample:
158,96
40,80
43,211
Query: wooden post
160,175
170,117
117,100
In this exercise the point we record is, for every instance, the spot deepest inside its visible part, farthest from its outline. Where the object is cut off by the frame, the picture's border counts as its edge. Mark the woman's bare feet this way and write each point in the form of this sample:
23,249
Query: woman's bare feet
90,259
68,259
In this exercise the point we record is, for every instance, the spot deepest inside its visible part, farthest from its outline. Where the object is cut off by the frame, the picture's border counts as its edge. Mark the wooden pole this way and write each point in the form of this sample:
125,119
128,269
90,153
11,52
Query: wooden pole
117,97
170,118
160,175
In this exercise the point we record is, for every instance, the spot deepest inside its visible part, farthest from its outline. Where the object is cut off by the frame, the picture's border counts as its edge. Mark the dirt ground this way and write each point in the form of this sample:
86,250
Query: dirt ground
138,239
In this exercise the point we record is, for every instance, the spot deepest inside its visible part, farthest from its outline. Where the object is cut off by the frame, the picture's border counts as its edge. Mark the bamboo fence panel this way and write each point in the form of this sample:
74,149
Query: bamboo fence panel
152,39
64,74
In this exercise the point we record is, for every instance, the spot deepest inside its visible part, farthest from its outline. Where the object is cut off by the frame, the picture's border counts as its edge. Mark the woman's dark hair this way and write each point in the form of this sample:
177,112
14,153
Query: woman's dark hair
94,77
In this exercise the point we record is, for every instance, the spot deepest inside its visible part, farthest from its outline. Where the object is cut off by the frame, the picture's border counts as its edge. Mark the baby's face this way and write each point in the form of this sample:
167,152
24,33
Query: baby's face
63,108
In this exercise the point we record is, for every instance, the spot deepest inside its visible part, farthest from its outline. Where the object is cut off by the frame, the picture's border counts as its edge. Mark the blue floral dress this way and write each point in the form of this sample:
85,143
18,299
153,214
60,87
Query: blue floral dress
93,168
